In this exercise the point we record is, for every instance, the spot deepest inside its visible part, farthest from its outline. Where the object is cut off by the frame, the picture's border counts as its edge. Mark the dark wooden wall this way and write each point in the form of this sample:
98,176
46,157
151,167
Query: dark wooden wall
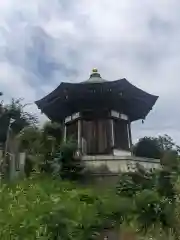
97,134
121,134
72,130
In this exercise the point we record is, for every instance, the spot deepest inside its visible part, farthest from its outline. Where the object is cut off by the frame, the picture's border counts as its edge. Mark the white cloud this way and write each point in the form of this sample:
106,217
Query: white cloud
13,85
12,82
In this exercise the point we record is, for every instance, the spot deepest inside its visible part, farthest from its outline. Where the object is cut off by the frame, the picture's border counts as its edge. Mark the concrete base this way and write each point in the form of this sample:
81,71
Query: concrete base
121,153
120,163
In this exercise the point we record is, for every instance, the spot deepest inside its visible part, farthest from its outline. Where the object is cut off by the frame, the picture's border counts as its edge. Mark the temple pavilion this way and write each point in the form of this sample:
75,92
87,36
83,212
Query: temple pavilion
98,113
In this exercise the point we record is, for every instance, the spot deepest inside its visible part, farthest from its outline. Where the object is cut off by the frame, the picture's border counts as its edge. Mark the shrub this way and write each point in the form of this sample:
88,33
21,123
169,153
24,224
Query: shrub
132,182
147,147
65,164
126,186
40,208
45,208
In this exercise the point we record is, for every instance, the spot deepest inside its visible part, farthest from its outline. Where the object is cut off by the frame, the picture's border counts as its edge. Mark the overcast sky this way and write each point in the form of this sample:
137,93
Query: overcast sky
44,42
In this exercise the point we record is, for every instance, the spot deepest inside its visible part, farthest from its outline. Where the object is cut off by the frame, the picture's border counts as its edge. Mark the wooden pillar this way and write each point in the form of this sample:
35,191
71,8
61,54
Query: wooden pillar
79,134
112,133
129,135
65,132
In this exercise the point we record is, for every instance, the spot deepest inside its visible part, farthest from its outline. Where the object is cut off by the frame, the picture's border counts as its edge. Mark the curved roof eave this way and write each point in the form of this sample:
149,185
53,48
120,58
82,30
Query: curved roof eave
137,90
123,82
130,92
45,100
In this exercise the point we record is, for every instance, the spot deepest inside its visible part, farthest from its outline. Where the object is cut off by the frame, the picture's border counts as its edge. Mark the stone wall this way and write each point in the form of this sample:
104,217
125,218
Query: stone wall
16,164
118,164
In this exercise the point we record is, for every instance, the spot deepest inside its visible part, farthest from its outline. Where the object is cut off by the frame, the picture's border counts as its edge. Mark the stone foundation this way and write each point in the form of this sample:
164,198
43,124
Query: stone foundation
117,164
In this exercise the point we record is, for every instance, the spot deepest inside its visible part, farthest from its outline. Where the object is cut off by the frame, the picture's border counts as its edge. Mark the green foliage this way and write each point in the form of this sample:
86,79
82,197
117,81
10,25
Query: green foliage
66,164
29,165
126,186
156,147
147,147
153,209
15,110
41,145
24,204
166,143
29,139
44,208
148,205
165,184
53,129
50,139
131,183
154,197
170,160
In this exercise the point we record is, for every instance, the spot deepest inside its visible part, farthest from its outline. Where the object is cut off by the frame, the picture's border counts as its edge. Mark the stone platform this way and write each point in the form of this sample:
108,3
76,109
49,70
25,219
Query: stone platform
118,164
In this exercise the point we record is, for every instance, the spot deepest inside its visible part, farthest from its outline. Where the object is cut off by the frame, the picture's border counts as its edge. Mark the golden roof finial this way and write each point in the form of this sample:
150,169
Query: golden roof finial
94,70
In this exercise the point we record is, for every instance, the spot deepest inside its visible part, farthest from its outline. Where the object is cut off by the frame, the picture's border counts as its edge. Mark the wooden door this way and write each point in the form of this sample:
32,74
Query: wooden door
96,134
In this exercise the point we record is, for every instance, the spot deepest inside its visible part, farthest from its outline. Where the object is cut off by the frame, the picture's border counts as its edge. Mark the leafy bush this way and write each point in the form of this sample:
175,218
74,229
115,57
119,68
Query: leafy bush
43,208
154,197
66,164
148,205
126,186
131,183
147,147
46,208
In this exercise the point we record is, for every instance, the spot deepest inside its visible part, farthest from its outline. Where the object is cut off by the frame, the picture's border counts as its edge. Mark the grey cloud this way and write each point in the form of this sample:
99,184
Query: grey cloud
159,26
32,52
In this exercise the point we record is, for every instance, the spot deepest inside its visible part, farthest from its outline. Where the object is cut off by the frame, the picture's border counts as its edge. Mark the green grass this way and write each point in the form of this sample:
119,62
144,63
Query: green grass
24,204
31,209
44,208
